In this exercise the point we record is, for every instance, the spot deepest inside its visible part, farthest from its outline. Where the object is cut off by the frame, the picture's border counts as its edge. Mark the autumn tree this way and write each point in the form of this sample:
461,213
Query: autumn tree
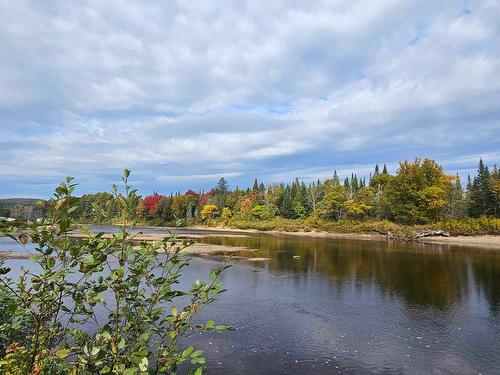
361,204
209,211
417,194
164,210
151,204
335,198
455,200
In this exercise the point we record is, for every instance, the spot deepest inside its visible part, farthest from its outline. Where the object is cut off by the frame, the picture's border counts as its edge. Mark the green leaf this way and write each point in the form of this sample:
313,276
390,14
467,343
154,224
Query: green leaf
106,335
174,311
62,353
210,324
121,344
130,371
196,353
187,352
120,272
213,274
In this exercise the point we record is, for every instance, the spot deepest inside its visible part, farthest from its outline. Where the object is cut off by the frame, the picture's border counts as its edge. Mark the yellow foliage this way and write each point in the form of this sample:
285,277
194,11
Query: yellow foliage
226,213
209,211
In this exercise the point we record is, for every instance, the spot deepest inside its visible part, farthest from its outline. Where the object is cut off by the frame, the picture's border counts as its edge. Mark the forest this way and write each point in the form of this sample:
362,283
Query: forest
419,193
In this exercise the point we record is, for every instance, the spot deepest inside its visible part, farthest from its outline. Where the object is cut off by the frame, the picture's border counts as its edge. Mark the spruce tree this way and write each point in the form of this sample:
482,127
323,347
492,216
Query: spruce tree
335,177
286,208
354,183
481,198
221,193
255,185
298,203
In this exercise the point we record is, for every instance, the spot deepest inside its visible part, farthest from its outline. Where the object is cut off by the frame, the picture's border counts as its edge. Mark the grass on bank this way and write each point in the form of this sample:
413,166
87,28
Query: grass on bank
467,227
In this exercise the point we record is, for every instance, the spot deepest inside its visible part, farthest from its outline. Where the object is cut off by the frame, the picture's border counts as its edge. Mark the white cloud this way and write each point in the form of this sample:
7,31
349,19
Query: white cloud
192,89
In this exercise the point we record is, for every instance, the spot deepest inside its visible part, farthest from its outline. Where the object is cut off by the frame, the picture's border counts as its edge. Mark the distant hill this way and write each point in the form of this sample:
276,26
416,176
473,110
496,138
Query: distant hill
20,208
19,201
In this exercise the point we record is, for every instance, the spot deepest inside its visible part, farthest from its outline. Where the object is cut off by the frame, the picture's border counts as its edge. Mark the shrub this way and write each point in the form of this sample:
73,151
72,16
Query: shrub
54,310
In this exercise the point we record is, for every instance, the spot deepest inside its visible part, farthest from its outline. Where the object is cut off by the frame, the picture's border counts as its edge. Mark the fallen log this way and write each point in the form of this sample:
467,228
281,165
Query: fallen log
432,233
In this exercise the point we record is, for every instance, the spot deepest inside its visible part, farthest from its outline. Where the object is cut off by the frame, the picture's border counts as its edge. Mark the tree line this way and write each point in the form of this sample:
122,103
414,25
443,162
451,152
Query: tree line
420,192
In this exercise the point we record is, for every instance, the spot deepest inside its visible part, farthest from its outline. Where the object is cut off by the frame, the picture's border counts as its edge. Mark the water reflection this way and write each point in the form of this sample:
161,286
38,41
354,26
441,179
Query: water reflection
430,276
353,307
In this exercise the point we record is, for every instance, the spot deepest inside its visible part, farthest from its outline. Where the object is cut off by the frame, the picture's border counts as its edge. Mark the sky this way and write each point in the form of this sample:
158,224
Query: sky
185,92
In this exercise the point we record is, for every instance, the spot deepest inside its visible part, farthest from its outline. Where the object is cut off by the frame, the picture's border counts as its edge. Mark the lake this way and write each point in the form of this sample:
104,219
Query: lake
351,307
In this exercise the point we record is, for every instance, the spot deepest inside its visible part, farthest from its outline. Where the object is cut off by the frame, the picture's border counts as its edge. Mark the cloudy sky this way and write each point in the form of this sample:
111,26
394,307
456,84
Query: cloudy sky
183,92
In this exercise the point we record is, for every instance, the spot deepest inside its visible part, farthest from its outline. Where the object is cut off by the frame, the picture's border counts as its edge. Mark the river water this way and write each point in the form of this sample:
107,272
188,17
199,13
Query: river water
327,306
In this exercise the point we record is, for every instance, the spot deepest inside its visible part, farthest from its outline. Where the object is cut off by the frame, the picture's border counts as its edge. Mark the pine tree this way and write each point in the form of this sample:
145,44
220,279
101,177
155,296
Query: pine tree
255,185
376,170
262,188
336,177
221,193
385,169
347,184
354,183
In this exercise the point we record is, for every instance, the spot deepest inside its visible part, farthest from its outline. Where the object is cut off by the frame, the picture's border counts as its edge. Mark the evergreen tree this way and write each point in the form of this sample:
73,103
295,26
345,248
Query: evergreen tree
385,169
299,202
255,185
335,176
481,199
262,188
286,208
495,189
376,170
221,192
469,183
354,183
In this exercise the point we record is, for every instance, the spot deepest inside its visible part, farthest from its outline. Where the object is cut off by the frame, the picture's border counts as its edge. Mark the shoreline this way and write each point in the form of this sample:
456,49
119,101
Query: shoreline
486,242
481,240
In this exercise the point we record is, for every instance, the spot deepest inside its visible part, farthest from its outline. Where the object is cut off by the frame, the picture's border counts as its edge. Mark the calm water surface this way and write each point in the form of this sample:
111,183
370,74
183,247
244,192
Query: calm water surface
352,307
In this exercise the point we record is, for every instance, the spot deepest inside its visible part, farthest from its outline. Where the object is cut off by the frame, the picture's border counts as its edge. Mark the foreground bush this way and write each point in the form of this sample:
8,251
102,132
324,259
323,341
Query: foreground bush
100,305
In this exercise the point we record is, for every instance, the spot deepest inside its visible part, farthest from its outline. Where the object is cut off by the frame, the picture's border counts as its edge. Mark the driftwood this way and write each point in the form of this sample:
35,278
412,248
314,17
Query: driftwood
432,233
390,235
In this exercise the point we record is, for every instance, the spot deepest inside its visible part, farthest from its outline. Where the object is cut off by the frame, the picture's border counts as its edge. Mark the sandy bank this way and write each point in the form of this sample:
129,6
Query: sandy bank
7,254
485,241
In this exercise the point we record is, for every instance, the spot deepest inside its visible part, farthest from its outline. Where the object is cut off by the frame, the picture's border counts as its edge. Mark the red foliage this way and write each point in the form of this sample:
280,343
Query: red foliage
151,203
205,197
191,192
